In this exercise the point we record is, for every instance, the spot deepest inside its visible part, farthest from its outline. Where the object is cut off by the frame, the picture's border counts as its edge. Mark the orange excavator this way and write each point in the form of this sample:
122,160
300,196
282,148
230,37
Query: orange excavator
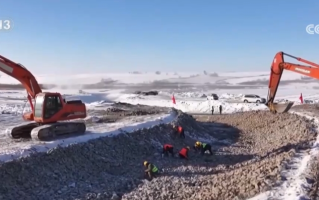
50,111
277,68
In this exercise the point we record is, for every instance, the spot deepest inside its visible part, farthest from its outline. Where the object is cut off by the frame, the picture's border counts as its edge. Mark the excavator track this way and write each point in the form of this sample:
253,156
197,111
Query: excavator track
23,131
55,130
48,131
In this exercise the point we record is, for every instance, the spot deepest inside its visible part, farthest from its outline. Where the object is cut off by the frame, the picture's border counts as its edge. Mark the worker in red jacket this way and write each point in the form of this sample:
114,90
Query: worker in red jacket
184,153
180,131
168,148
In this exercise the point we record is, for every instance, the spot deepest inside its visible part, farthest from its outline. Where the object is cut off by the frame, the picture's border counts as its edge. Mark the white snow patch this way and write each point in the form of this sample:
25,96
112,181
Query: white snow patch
199,106
191,94
230,96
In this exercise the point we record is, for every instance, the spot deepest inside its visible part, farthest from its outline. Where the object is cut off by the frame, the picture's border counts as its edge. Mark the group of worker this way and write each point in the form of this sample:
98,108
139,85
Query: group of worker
220,109
168,149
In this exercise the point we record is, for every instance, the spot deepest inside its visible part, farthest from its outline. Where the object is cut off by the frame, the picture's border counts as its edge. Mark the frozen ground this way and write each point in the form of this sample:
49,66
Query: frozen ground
188,90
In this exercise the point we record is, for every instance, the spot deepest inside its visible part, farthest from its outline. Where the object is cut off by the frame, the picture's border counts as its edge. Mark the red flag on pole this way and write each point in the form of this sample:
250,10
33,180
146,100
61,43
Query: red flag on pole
301,98
173,99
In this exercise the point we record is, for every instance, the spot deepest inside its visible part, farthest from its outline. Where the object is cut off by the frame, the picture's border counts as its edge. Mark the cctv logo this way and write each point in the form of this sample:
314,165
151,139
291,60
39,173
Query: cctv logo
312,29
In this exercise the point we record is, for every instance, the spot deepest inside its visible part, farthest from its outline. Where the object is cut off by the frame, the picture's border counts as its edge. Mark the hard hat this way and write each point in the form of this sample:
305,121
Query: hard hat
145,163
197,143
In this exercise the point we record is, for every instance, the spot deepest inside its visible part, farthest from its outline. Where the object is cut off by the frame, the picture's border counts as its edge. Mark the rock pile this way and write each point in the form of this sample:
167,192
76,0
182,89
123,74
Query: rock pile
251,149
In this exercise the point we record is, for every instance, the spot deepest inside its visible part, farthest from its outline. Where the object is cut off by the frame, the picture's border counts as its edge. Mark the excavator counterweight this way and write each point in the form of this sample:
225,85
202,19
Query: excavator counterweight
50,112
277,67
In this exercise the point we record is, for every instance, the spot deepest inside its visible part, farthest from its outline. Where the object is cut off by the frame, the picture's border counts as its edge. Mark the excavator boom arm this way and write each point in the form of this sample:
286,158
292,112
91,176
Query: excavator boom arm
277,68
21,74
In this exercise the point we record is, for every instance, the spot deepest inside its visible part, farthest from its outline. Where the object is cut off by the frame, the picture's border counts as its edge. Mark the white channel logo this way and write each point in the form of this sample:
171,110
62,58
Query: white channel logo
5,25
312,29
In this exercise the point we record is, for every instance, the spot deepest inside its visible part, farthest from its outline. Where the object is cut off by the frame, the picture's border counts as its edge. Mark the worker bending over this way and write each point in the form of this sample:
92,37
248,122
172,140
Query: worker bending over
179,130
203,147
151,170
168,148
183,153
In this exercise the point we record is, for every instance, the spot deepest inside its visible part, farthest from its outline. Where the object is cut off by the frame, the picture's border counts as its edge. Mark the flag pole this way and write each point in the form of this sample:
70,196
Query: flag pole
173,101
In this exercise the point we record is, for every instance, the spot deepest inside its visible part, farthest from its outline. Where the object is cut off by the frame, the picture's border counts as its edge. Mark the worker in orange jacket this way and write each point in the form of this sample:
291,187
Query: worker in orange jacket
168,148
179,130
184,153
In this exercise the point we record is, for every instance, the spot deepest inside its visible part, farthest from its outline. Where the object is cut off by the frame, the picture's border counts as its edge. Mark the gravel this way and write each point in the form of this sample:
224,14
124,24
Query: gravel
312,179
251,149
311,176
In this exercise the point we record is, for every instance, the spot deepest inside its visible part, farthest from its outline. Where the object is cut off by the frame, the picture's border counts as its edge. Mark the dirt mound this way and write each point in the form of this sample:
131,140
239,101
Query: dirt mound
247,160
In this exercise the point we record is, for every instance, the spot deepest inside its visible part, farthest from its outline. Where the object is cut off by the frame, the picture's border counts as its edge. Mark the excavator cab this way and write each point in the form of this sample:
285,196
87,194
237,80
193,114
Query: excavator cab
47,106
48,112
51,107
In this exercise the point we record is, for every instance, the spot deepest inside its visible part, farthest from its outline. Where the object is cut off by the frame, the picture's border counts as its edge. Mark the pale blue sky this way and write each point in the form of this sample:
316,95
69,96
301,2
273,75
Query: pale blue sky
148,35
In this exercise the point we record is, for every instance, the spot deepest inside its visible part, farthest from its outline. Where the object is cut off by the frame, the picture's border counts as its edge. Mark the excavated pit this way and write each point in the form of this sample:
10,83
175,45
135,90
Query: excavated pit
251,150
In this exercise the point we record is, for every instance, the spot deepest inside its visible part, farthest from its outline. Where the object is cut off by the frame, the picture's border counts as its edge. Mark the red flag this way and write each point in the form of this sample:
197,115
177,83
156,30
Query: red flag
301,98
173,99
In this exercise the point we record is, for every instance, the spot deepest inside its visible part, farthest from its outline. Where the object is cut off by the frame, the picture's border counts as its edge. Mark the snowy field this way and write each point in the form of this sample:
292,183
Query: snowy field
189,90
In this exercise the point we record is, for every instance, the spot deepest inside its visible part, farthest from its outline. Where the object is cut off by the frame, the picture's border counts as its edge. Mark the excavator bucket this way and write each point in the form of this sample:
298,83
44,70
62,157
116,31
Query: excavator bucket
280,108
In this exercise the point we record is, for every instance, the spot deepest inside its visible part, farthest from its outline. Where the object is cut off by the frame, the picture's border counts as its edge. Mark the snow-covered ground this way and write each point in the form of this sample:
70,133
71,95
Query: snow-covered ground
13,104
